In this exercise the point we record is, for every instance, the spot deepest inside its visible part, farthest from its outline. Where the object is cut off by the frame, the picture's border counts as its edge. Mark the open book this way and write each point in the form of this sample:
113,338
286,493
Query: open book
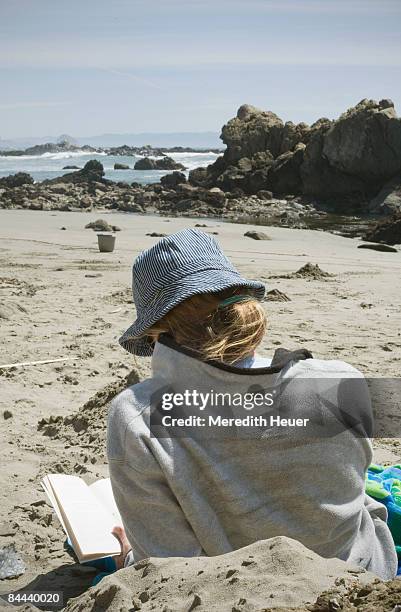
87,513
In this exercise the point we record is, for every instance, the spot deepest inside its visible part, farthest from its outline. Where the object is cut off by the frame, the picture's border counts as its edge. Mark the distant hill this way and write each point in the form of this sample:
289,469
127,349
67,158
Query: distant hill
201,140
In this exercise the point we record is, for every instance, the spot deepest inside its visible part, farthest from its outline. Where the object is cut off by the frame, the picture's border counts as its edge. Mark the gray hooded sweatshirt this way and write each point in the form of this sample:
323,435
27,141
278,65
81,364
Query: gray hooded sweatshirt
197,494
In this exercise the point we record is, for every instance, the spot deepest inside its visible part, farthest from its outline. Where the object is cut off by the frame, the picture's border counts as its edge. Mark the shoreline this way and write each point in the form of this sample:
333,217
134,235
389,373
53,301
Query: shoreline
87,189
349,226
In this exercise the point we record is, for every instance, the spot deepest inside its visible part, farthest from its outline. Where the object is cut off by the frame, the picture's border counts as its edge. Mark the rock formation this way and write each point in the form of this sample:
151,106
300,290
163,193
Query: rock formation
164,163
16,180
170,181
345,162
48,147
387,231
92,171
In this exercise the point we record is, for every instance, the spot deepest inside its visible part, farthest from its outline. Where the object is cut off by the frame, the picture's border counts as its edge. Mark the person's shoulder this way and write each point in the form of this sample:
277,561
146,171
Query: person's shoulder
127,420
330,368
131,402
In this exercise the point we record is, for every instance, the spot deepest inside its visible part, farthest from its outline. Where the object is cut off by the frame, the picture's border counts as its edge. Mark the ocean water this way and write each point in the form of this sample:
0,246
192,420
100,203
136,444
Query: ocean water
50,165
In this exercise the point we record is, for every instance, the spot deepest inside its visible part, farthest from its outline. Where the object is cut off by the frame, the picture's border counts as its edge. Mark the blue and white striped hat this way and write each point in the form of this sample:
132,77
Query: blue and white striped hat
178,266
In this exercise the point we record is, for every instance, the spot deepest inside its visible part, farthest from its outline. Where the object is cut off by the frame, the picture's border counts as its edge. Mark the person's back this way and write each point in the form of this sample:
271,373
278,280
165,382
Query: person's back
209,491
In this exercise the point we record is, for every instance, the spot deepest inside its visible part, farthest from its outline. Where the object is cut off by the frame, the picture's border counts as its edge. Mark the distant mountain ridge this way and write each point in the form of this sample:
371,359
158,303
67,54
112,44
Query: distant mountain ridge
201,140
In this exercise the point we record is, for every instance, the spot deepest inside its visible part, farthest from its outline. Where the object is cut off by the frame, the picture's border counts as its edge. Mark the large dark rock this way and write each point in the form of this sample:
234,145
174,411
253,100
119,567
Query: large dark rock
355,155
215,197
173,179
164,163
200,176
345,162
145,163
388,200
319,179
387,231
366,142
16,180
232,178
284,176
251,131
92,172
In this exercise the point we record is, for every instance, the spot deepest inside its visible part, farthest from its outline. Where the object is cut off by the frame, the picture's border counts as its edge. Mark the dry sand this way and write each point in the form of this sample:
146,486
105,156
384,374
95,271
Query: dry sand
60,297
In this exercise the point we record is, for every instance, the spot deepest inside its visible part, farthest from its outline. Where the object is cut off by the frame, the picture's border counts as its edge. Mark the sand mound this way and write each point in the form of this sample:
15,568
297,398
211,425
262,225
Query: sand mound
309,272
275,295
87,426
313,271
263,576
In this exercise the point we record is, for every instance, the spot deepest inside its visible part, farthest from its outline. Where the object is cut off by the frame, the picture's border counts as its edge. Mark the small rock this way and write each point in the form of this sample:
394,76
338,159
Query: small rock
264,194
231,572
118,166
257,235
7,414
144,596
195,602
136,604
102,226
247,562
215,197
165,163
156,235
378,247
11,564
7,530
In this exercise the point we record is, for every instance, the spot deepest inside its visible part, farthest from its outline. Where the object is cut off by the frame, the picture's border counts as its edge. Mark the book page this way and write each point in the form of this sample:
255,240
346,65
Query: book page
49,492
87,522
104,493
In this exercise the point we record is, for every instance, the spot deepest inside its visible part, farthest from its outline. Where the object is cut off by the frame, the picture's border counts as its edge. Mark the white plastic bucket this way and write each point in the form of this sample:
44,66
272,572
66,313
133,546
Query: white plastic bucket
106,243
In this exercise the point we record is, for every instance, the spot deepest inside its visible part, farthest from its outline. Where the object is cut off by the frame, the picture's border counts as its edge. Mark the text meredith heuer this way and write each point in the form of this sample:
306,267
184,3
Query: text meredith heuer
218,421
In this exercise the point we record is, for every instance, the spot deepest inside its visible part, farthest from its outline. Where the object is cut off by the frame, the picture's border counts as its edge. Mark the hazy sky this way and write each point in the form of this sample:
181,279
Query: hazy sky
87,67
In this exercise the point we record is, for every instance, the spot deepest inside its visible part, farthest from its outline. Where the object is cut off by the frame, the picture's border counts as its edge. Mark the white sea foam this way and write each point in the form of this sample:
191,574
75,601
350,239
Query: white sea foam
50,165
60,155
179,154
68,154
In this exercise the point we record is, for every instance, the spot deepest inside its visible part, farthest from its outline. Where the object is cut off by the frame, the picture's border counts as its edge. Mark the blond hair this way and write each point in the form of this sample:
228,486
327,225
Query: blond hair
227,334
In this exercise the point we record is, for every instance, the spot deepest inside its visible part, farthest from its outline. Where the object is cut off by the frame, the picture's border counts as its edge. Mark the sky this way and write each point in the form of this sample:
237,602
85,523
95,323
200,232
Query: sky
87,67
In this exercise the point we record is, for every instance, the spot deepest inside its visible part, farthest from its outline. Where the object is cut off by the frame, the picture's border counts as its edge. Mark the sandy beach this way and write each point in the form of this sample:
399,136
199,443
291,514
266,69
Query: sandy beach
61,298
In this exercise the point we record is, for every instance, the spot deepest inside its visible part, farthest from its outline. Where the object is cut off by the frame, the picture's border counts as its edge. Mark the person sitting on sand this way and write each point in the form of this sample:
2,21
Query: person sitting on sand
208,495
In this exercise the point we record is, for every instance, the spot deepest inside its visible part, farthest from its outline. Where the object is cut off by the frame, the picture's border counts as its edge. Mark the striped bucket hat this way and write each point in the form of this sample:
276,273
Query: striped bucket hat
178,266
